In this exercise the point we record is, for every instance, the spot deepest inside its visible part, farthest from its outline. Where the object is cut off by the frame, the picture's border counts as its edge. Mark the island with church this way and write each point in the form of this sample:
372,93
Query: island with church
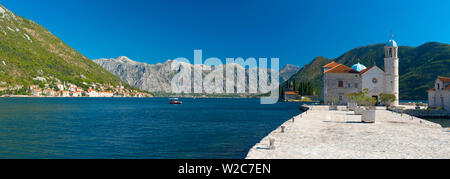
362,118
340,80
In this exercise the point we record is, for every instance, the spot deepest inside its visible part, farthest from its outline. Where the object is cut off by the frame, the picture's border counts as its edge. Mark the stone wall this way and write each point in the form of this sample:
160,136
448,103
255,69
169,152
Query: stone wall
351,84
439,98
427,113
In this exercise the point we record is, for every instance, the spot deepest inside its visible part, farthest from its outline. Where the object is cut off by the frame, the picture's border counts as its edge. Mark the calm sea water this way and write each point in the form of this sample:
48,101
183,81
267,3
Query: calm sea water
135,127
442,121
414,101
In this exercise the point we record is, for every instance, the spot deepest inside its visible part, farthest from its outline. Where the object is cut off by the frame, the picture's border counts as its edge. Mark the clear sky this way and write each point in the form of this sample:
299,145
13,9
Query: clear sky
296,31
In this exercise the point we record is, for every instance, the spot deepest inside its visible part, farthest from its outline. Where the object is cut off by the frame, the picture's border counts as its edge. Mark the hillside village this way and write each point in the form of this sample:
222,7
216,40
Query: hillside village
88,90
93,90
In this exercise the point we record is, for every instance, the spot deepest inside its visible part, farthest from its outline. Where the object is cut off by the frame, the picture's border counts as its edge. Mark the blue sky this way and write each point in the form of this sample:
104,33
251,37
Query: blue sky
296,31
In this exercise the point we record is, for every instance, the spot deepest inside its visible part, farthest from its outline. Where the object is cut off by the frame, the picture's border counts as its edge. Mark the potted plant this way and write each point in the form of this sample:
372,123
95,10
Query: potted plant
387,99
333,103
352,102
369,115
360,100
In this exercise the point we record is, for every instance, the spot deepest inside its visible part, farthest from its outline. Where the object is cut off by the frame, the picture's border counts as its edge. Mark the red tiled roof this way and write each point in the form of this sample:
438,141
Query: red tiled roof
341,69
366,70
447,87
444,79
331,65
290,92
431,89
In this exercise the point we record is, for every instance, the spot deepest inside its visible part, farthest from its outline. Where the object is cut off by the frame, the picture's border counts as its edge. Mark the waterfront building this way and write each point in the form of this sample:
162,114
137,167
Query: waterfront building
92,93
106,94
50,92
439,95
37,92
291,95
65,94
76,94
60,87
340,80
72,89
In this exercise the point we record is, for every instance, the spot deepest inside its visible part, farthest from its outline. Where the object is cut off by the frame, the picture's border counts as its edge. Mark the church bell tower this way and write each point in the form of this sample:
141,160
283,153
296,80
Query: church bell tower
391,75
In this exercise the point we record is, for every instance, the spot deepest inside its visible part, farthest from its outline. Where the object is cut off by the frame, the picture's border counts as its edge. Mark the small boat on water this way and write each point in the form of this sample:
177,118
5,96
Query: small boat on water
175,101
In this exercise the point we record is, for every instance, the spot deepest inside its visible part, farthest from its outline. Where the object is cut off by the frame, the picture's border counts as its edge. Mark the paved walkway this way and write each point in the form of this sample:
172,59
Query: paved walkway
324,134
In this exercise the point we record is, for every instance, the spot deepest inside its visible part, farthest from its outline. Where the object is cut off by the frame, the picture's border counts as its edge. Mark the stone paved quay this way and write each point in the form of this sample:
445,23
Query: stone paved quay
324,134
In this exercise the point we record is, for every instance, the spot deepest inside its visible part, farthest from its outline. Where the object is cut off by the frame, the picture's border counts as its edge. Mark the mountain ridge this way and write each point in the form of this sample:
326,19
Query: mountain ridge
288,71
155,78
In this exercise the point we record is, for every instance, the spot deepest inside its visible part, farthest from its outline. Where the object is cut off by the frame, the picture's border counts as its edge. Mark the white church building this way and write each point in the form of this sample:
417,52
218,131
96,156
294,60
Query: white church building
340,80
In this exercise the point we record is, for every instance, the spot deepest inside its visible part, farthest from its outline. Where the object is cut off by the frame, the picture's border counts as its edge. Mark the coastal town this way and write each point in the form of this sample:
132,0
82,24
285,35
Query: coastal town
88,90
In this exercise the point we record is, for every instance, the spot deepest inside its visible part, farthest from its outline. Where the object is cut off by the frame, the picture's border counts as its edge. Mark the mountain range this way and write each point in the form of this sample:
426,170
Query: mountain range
419,67
30,55
156,78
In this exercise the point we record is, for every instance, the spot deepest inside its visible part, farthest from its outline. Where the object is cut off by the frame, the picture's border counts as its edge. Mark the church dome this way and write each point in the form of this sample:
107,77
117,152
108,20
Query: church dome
391,43
359,67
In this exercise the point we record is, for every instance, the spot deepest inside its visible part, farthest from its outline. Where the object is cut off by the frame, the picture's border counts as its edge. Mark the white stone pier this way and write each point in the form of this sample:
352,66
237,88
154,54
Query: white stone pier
324,134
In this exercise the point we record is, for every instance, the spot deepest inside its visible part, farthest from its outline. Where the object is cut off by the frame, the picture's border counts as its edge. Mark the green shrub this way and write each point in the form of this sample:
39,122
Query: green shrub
387,99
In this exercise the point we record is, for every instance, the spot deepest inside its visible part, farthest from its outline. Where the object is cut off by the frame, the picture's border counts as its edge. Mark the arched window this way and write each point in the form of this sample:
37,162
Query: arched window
390,52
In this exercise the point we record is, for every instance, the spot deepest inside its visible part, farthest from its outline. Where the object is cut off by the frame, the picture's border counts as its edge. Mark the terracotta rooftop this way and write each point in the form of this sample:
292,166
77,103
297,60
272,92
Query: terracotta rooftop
290,92
365,70
447,87
444,79
331,65
341,69
431,89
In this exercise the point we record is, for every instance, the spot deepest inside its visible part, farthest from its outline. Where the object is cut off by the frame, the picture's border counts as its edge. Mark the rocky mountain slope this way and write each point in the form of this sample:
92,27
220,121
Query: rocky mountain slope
156,78
288,71
30,54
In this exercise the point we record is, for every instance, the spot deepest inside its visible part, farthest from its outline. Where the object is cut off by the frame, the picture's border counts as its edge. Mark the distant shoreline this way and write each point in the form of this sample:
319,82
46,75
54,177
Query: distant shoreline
190,97
24,96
